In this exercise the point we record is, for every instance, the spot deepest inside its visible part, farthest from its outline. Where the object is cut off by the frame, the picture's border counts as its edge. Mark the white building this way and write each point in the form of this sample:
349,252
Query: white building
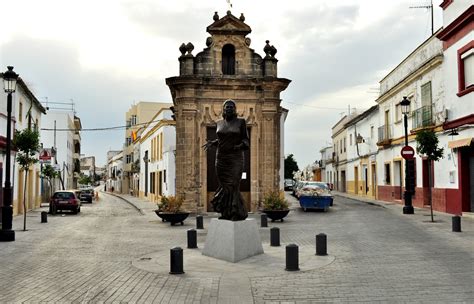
26,111
114,171
419,77
61,129
157,157
454,180
327,170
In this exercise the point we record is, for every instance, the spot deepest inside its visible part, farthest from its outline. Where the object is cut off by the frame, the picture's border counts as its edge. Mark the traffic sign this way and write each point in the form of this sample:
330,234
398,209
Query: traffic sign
45,155
408,152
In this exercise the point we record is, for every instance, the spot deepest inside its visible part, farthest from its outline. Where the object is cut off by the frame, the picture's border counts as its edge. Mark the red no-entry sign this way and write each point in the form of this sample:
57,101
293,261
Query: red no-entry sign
408,152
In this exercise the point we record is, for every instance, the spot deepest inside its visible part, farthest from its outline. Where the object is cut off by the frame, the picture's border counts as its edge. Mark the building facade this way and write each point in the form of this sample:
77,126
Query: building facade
61,130
139,115
27,112
157,157
454,186
227,69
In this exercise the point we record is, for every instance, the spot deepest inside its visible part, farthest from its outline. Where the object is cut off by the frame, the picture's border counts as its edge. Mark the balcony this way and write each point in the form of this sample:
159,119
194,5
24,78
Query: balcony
385,135
422,117
76,137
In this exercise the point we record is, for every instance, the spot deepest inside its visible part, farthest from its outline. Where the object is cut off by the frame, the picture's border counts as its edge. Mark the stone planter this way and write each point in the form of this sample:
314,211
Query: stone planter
276,215
172,218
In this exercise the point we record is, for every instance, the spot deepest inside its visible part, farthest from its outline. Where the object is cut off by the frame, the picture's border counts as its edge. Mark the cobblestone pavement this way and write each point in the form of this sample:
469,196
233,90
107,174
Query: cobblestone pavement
377,255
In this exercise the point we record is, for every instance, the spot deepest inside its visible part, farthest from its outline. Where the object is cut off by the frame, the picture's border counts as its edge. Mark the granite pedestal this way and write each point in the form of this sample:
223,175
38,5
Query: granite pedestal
232,241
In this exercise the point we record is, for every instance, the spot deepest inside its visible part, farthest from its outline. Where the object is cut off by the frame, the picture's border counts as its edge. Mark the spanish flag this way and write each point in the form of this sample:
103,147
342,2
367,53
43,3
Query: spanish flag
134,135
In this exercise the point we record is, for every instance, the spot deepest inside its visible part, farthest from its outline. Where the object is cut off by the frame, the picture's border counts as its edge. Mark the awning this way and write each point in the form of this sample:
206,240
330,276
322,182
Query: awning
465,142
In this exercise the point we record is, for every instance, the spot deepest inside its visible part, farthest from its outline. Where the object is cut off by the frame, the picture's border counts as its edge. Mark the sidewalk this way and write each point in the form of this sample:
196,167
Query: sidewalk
396,206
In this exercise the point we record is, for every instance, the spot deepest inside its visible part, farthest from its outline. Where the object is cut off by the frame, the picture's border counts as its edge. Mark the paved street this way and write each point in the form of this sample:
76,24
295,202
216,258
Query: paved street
118,251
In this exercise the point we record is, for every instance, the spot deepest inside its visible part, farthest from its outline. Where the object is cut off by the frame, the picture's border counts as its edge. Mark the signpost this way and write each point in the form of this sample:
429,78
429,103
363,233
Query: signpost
408,152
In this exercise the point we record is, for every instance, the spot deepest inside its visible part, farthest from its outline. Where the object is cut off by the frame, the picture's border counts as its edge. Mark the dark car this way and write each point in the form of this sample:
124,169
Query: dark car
288,184
87,195
66,200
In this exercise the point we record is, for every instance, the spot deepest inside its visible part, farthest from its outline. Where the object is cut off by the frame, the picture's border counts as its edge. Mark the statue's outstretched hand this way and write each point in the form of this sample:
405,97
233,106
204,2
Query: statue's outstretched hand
208,144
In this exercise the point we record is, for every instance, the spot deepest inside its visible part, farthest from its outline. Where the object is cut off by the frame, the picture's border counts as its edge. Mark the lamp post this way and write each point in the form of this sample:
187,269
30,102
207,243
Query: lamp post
6,233
408,208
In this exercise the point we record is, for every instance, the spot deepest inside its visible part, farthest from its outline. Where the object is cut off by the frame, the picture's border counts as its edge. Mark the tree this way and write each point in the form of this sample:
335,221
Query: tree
85,180
49,173
427,146
27,144
290,166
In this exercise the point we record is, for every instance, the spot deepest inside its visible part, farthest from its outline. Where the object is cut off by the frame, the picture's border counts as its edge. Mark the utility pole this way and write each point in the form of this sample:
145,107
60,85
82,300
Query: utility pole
430,7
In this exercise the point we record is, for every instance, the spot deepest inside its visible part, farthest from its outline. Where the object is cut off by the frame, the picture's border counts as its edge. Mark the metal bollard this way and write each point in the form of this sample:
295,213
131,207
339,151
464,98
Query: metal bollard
44,217
456,221
176,260
192,239
275,236
199,222
321,244
292,260
263,220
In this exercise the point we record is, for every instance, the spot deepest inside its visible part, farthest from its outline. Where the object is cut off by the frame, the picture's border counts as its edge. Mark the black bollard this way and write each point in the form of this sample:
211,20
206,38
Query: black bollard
199,222
176,260
192,239
456,221
263,220
321,244
275,236
292,262
44,217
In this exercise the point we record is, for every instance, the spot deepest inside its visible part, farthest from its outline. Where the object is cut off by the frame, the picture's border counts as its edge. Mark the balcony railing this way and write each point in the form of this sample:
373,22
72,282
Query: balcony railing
422,117
385,134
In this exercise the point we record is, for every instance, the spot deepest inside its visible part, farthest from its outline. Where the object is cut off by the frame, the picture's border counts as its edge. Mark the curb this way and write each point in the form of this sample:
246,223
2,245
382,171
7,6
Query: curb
125,200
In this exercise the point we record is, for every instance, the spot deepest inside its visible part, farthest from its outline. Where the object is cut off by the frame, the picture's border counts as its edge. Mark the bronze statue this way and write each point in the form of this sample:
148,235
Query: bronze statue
232,140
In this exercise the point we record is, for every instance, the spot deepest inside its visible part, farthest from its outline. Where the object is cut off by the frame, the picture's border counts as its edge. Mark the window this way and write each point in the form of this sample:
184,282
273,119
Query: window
387,173
466,69
426,94
20,112
129,159
371,131
164,176
128,141
340,146
133,120
398,113
344,144
350,140
228,59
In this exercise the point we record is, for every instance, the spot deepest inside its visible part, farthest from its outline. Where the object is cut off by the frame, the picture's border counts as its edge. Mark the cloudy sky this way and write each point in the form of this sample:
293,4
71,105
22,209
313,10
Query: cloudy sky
106,54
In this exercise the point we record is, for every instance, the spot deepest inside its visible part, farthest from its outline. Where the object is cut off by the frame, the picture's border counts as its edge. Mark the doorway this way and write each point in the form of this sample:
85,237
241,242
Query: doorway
356,180
374,180
343,181
397,179
365,181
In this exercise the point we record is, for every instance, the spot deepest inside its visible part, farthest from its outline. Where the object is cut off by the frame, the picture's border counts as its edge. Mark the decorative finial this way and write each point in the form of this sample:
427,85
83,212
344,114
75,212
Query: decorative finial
228,13
242,17
216,16
273,51
189,47
182,49
267,48
208,41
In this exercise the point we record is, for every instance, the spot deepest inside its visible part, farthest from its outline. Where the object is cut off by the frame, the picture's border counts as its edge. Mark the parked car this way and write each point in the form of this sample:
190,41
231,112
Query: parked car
66,200
87,195
288,184
315,195
296,186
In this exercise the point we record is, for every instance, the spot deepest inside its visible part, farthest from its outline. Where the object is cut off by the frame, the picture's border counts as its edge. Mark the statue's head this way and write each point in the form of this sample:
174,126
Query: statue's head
229,109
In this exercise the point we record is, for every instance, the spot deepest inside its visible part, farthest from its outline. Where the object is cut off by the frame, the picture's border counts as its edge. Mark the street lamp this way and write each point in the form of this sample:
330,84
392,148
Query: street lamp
408,208
6,233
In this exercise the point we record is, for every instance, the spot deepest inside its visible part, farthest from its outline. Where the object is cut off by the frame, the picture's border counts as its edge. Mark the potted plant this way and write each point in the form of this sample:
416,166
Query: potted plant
169,210
275,206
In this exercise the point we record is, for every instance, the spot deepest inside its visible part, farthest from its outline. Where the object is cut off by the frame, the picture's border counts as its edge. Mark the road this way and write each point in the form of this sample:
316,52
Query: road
111,252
